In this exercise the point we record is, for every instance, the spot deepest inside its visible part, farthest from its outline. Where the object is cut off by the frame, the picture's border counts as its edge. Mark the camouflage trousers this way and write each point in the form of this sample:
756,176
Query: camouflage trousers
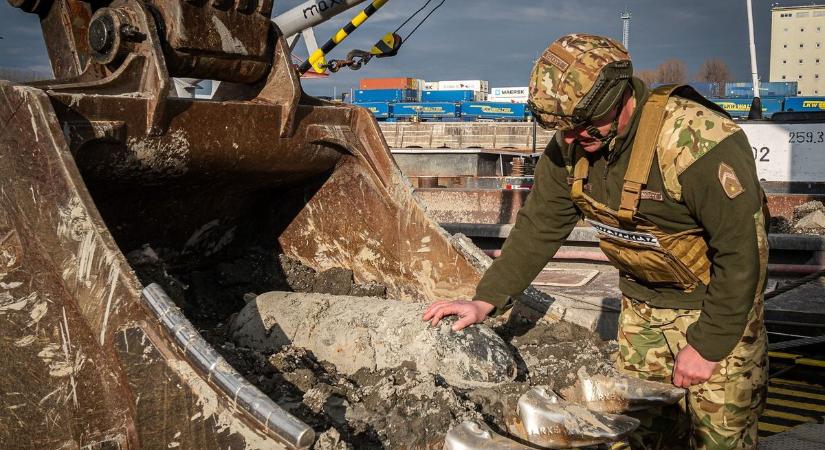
721,413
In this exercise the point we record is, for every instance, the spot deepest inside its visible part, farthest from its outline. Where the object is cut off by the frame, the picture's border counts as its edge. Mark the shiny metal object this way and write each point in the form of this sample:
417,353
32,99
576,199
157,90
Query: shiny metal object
290,430
473,435
548,421
620,394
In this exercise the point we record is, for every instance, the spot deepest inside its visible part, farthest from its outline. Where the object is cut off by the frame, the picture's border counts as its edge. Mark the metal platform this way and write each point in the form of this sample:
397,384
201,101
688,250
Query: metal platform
806,437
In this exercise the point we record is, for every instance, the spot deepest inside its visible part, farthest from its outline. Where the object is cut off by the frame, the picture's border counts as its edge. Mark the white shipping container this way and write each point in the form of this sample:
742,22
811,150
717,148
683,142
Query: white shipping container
504,99
461,85
510,92
431,85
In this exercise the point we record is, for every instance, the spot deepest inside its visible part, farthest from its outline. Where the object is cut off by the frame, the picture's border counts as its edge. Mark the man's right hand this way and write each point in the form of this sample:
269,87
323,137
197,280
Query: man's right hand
468,312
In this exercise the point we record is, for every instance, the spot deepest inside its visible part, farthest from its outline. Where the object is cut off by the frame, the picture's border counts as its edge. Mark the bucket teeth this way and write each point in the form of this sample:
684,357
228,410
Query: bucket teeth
473,435
546,420
620,393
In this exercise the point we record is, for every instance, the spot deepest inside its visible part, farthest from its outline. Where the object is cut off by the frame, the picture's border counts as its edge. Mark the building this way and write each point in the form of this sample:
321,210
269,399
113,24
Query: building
798,47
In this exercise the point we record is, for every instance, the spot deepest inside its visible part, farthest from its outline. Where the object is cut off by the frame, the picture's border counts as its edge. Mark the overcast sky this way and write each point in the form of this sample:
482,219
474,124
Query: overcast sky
498,40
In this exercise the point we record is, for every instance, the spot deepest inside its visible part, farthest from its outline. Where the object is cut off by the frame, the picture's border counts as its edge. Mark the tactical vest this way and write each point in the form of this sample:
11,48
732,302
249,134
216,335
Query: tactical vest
636,246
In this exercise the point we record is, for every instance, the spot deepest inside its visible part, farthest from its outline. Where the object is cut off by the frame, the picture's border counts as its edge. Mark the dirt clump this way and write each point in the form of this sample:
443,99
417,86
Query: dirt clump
809,218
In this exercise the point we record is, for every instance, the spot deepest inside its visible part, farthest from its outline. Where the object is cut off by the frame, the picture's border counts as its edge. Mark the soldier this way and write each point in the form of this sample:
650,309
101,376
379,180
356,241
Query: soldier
669,183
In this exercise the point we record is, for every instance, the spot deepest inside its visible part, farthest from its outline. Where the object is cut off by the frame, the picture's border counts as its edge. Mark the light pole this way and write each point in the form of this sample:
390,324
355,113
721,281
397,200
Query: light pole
756,106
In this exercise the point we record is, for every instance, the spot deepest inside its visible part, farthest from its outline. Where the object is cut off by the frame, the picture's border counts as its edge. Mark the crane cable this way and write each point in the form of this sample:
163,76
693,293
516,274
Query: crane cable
387,46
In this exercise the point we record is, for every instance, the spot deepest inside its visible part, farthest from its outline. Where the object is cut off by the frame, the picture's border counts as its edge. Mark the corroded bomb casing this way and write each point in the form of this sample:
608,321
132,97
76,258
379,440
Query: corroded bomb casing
620,393
359,332
548,421
472,435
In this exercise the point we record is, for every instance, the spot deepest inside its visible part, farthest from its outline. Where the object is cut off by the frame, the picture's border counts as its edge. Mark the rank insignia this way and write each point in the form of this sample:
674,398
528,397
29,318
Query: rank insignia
730,183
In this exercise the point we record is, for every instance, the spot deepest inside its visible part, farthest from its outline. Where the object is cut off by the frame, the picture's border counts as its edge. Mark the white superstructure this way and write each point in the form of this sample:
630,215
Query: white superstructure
798,47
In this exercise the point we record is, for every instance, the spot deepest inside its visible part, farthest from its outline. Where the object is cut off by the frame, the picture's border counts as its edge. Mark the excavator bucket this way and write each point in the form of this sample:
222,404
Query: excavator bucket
103,162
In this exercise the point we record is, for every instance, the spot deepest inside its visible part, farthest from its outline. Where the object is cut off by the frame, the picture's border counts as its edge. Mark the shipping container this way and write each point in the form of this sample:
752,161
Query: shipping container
767,89
425,110
384,95
510,92
381,110
739,107
451,96
388,83
804,104
493,98
708,90
464,85
494,110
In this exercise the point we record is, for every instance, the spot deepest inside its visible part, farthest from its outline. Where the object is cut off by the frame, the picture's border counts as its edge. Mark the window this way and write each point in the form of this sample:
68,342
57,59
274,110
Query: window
800,61
783,77
784,61
785,30
799,76
801,45
785,46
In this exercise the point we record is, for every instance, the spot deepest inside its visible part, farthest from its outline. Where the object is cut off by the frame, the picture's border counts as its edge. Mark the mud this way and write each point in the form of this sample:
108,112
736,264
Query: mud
391,408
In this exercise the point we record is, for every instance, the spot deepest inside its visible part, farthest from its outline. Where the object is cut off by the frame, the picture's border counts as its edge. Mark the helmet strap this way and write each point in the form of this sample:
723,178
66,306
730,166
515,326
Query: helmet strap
614,127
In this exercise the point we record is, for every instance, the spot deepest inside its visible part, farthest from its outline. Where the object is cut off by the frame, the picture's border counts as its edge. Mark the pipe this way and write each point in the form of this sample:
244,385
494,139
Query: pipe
563,254
754,73
311,13
598,256
795,269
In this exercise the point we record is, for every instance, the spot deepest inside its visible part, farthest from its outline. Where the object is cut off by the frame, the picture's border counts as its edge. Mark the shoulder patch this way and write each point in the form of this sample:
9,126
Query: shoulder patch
730,183
690,130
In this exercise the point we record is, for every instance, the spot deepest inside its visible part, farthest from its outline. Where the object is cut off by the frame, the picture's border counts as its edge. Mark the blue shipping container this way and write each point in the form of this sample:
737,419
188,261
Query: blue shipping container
739,107
447,96
494,110
804,104
384,95
381,110
766,89
425,110
706,89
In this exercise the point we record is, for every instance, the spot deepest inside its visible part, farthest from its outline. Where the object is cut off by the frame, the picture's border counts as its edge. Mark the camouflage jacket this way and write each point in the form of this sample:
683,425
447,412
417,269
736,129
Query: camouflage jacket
700,192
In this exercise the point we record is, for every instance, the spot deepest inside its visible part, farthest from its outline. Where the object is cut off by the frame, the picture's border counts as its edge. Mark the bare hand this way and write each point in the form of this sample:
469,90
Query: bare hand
691,368
469,312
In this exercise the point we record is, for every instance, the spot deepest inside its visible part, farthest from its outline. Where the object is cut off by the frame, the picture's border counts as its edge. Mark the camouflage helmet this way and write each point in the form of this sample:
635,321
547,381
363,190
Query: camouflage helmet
578,79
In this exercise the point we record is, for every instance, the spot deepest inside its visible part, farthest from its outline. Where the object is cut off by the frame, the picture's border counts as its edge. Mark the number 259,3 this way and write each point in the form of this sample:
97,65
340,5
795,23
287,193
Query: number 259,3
806,137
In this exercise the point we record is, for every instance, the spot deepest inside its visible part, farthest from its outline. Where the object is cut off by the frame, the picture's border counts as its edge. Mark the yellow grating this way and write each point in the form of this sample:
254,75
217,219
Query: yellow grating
791,403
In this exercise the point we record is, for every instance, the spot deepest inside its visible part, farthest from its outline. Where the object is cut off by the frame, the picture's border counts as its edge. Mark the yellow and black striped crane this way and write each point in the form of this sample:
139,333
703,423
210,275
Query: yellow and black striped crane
387,46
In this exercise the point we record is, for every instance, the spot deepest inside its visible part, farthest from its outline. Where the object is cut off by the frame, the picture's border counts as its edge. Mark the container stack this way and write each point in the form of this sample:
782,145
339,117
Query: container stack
391,99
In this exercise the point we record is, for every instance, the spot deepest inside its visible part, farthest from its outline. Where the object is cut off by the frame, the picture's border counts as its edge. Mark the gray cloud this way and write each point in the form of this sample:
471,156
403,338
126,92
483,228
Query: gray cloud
497,40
